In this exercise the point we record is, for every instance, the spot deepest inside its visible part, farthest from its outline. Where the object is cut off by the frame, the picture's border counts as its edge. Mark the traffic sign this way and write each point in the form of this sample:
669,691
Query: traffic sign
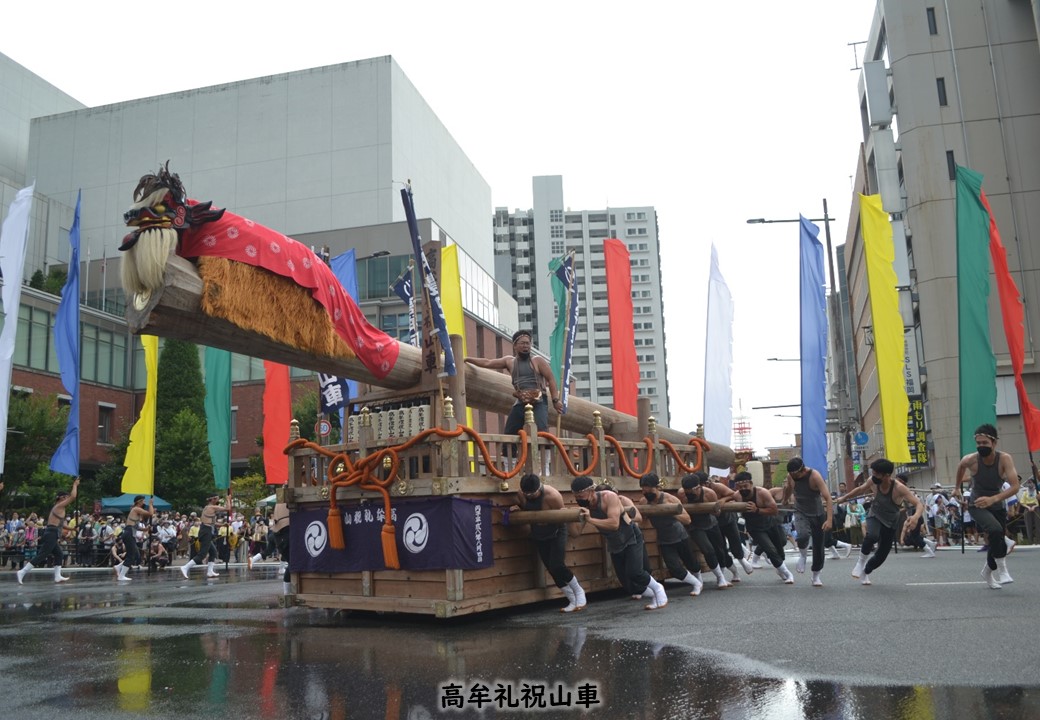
323,428
862,438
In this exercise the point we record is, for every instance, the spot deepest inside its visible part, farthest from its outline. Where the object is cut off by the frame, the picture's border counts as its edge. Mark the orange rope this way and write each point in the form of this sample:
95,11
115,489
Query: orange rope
699,444
624,463
567,461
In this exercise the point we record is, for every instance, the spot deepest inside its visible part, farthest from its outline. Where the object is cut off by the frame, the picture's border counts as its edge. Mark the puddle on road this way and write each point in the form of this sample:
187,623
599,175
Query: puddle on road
307,666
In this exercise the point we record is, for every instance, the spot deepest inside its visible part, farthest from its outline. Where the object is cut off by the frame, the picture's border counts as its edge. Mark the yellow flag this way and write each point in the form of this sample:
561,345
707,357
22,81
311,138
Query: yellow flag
451,302
140,456
889,350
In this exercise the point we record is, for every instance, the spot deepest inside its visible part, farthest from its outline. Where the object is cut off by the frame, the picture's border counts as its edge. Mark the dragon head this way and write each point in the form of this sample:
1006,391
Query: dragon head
160,212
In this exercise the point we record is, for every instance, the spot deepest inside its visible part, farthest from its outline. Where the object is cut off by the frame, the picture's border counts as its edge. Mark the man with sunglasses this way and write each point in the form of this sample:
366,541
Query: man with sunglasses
550,539
813,513
883,517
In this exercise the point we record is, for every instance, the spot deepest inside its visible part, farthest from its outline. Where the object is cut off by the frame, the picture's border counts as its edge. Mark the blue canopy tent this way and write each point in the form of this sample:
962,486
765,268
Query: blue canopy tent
123,503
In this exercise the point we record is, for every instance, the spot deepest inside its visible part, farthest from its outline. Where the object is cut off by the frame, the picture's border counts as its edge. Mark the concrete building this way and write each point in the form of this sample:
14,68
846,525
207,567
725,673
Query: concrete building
525,243
309,153
940,90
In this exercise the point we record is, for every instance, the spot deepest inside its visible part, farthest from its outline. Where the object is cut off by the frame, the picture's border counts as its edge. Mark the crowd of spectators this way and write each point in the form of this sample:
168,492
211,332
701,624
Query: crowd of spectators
93,540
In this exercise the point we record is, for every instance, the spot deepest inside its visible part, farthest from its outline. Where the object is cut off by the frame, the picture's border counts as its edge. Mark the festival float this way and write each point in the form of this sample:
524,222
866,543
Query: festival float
410,513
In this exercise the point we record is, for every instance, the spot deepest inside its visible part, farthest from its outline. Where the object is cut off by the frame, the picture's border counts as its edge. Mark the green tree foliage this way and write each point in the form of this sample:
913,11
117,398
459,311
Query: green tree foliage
248,490
108,481
37,279
305,410
55,280
183,470
179,385
36,426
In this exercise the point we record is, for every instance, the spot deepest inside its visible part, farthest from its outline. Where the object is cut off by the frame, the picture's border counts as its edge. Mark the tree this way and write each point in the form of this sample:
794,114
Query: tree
36,426
183,470
305,410
248,490
55,280
37,279
179,384
108,481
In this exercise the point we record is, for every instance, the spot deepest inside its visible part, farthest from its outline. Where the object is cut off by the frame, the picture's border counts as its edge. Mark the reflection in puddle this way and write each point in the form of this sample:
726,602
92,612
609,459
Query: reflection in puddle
295,668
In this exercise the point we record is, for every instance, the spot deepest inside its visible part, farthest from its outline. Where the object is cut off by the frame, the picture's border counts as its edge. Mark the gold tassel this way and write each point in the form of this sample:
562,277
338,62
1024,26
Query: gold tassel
390,548
336,541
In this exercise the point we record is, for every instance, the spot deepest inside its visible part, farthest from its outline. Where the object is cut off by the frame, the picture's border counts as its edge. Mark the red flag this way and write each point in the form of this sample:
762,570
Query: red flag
1013,315
624,367
277,416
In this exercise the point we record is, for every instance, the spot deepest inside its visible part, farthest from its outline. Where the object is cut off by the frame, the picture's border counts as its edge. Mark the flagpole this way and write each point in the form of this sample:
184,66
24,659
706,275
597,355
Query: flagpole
566,342
104,277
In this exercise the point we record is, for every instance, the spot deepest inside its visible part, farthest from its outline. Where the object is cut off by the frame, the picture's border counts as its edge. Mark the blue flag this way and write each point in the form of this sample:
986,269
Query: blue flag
344,267
405,289
429,282
66,345
813,348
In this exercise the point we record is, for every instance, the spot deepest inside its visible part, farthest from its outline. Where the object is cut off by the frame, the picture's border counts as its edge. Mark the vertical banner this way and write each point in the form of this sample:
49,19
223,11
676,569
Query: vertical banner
218,414
889,339
624,366
139,477
565,289
430,286
344,267
404,288
13,238
977,363
718,358
1012,314
277,416
813,346
66,345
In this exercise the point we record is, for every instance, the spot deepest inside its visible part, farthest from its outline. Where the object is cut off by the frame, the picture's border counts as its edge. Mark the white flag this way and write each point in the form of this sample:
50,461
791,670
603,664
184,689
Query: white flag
12,264
718,359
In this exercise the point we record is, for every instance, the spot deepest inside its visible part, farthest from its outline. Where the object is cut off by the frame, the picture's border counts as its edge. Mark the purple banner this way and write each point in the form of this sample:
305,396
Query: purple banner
432,534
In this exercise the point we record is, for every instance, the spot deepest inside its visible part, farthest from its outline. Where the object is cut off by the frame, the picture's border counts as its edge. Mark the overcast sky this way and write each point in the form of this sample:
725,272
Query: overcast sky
711,112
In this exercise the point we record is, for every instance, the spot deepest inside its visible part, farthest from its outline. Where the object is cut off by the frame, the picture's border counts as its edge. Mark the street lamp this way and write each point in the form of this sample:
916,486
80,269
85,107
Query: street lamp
835,312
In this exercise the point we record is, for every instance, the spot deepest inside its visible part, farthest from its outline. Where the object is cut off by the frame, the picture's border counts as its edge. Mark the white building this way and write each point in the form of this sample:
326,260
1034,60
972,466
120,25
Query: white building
303,152
525,243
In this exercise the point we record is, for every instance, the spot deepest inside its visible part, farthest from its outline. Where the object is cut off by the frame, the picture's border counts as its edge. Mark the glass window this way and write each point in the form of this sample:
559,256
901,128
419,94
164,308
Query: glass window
39,334
105,415
940,86
21,342
933,26
88,353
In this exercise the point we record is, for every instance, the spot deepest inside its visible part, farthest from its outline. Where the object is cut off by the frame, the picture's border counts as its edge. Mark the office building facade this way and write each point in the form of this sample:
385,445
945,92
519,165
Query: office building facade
526,242
947,84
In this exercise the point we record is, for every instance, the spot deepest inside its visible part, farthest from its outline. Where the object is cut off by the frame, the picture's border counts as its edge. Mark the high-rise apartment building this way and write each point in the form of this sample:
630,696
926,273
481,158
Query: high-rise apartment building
525,243
947,84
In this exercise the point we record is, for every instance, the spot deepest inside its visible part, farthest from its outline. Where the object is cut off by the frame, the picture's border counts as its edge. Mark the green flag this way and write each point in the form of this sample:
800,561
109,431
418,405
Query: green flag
218,414
978,365
559,333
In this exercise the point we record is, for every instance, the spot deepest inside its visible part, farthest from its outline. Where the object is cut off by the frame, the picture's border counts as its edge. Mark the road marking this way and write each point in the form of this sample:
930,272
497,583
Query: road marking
965,582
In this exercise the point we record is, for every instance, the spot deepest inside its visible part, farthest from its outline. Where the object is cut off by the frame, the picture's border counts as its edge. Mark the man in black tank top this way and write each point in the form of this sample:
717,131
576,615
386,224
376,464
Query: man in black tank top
813,513
673,541
759,512
883,518
533,383
550,539
989,470
603,510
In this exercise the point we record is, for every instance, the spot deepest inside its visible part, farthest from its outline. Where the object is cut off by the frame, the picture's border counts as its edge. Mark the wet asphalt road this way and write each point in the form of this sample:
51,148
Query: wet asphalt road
927,640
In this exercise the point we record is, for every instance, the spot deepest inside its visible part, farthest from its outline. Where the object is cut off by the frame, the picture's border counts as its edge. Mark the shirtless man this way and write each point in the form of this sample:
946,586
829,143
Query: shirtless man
883,517
133,553
603,510
813,513
48,543
280,526
207,532
760,513
989,470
